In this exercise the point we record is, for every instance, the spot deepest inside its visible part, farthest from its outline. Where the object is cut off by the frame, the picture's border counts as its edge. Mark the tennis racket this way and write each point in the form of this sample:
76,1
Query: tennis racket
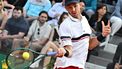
22,58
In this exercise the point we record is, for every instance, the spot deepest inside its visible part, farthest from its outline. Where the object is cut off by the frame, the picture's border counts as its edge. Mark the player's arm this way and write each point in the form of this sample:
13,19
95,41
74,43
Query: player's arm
65,51
94,41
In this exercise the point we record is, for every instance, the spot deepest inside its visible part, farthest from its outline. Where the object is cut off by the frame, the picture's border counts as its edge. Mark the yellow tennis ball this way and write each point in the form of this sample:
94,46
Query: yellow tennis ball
26,55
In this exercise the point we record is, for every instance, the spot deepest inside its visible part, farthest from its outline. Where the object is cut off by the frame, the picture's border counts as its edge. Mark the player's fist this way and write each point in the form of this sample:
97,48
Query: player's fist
61,52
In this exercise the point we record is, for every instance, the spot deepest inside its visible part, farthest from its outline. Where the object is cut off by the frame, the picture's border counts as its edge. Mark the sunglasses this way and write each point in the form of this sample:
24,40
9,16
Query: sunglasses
38,31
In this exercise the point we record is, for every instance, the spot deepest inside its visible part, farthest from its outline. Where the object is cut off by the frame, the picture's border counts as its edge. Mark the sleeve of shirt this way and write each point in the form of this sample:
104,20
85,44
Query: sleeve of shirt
52,11
47,6
65,34
27,5
25,27
32,28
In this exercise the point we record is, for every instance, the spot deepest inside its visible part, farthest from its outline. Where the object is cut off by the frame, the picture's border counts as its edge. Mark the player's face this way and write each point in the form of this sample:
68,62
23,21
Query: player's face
74,9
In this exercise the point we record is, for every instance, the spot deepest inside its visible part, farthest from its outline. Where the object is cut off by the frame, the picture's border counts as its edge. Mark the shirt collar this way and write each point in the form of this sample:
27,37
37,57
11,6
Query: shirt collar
74,19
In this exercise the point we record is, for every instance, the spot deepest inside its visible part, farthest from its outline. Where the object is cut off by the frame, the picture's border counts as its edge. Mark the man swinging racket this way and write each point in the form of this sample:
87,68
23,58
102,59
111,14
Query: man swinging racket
75,38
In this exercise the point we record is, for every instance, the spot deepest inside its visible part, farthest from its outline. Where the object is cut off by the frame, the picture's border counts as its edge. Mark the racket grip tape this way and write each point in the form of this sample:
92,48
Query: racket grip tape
51,53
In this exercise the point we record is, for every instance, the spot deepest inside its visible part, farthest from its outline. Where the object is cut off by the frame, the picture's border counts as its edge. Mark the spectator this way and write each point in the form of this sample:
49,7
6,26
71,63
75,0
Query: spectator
116,18
3,16
90,7
16,27
55,12
34,7
97,18
117,60
96,23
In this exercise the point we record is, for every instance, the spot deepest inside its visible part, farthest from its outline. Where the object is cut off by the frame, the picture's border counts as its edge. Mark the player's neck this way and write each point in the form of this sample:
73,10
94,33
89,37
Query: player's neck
80,17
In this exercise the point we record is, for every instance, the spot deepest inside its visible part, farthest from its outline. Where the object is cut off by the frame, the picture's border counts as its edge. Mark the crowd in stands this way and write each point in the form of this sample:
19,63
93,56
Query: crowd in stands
37,21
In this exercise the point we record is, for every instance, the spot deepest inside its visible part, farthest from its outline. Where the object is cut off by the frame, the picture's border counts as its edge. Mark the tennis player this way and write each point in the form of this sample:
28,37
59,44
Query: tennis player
75,38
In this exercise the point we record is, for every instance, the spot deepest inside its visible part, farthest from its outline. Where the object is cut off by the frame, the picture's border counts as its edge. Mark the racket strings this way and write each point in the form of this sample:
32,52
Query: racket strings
17,60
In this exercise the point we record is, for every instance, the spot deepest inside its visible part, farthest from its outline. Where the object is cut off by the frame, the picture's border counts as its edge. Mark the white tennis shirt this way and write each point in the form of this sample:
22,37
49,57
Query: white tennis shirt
76,33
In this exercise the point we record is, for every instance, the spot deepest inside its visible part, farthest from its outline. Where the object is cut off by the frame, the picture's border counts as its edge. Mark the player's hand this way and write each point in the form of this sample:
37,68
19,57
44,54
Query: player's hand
106,29
60,52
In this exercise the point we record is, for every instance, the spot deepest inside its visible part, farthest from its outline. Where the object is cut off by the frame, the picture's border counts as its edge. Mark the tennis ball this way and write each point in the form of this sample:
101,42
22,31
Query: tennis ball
26,55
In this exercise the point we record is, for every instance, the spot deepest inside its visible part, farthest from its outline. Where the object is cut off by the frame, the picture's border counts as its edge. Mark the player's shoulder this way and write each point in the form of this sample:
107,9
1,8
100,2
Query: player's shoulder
66,23
84,18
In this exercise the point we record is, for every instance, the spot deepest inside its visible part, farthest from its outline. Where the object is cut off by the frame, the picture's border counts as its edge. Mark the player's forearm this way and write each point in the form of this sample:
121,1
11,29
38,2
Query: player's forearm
65,51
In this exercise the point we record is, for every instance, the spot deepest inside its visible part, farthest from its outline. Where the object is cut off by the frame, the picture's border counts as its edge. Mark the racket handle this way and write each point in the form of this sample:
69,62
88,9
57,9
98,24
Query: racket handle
51,53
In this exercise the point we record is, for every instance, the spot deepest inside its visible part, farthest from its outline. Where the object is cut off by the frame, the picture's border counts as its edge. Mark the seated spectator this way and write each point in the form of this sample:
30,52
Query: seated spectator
32,8
55,12
90,7
3,16
116,18
97,18
96,23
117,60
16,27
